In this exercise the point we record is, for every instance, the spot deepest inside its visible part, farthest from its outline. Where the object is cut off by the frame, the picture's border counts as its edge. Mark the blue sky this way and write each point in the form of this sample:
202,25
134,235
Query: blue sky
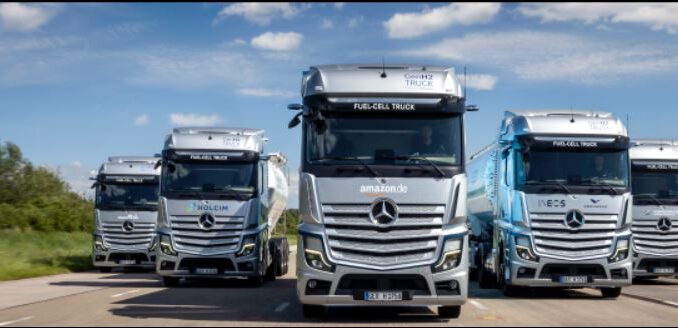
80,82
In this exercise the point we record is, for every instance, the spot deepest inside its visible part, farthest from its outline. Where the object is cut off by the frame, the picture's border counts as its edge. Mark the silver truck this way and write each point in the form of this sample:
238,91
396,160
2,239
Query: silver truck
382,188
220,198
550,205
654,179
125,213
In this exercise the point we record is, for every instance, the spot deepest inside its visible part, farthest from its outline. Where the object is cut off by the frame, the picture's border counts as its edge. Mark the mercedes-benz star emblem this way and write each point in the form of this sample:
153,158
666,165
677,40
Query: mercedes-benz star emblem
384,211
574,219
128,226
206,221
664,224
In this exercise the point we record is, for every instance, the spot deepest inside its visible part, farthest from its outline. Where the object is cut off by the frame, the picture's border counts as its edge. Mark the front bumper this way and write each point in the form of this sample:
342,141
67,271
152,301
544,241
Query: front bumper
229,266
428,296
118,258
547,272
644,264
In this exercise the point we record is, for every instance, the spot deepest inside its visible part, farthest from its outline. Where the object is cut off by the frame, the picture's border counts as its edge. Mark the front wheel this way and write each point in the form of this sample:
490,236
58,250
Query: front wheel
449,312
611,292
314,311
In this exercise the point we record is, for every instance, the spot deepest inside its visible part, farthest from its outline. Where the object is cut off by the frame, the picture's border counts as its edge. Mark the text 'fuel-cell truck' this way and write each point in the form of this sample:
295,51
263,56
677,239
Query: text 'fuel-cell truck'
382,190
220,198
654,172
550,204
125,214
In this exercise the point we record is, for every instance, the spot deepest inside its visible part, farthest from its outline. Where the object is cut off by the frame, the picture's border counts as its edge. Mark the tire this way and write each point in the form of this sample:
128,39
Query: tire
105,269
314,311
280,251
611,292
506,288
449,312
170,282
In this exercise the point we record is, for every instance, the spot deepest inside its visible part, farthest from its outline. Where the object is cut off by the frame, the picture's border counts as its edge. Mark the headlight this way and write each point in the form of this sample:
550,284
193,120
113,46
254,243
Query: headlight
450,257
166,245
315,255
249,244
621,251
99,244
154,244
524,249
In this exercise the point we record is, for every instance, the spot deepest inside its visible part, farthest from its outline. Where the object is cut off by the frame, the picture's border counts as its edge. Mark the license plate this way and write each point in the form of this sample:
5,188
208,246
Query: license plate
384,296
128,262
206,271
664,270
574,279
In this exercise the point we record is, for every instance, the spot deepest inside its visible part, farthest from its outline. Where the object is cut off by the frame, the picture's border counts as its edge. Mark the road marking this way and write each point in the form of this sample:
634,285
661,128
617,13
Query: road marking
282,307
125,293
7,323
478,305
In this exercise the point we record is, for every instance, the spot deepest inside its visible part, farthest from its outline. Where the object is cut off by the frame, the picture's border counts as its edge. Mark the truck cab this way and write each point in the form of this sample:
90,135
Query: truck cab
125,214
654,167
550,203
220,198
382,188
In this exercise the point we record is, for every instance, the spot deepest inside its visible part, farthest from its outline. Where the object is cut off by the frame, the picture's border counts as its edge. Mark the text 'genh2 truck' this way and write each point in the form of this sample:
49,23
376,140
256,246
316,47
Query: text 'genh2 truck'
125,214
654,172
382,188
220,198
550,204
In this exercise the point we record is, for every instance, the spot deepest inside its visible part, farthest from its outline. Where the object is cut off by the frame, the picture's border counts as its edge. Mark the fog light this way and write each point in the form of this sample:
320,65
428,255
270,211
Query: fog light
166,245
451,256
312,284
524,249
454,284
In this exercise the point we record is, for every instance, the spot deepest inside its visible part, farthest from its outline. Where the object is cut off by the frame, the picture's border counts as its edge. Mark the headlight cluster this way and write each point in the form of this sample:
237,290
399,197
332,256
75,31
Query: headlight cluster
99,244
166,245
315,255
621,251
450,257
524,249
249,244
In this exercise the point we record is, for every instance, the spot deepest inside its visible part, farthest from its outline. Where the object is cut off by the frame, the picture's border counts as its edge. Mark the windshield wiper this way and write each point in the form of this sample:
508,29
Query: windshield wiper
650,196
551,182
189,193
233,192
356,159
416,156
592,183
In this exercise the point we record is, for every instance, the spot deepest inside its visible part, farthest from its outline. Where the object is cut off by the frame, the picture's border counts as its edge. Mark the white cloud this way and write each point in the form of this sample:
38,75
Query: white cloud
142,120
25,17
553,56
412,25
195,119
326,24
339,5
481,81
261,13
76,176
657,16
261,92
355,21
277,41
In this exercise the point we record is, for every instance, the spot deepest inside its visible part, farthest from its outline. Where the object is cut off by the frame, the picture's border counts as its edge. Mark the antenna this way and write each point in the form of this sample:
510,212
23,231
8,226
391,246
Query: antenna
383,68
465,95
628,124
571,115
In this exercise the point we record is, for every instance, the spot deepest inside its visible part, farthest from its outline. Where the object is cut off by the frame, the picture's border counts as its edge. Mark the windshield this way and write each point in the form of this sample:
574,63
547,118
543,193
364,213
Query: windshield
656,186
384,140
126,196
607,169
208,177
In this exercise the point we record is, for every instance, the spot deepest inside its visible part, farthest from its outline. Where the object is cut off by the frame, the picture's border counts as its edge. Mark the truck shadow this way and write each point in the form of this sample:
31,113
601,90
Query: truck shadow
656,282
535,293
273,302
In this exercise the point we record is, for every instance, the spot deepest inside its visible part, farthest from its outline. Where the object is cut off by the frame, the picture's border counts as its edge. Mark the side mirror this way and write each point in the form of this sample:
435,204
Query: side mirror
295,121
472,108
157,164
295,107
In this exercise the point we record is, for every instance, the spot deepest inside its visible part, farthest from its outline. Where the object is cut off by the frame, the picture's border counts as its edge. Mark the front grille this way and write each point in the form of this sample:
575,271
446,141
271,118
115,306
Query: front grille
350,284
553,237
648,239
223,238
555,271
354,238
139,238
650,264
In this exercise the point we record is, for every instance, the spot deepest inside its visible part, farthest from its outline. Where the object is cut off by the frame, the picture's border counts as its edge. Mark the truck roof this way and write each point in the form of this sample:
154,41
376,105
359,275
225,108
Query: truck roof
561,121
210,138
653,149
130,165
366,79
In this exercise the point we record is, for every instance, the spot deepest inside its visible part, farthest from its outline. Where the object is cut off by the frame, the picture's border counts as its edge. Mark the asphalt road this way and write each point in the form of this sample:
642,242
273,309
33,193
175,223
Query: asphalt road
135,299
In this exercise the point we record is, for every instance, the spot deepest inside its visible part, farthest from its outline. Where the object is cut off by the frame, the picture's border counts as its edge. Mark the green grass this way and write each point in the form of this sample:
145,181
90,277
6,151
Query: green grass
32,254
